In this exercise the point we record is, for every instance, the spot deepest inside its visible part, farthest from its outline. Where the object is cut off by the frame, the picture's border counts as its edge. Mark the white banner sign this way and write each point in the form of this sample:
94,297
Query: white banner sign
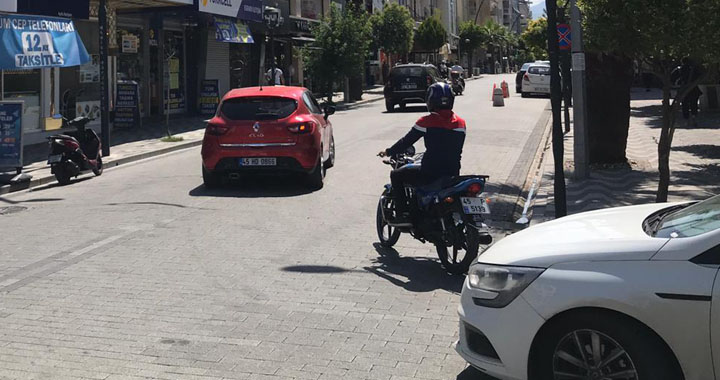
8,5
220,7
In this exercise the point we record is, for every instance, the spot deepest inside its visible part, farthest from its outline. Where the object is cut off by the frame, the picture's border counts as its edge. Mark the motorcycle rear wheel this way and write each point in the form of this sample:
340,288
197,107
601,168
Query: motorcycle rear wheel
62,175
463,252
98,170
387,234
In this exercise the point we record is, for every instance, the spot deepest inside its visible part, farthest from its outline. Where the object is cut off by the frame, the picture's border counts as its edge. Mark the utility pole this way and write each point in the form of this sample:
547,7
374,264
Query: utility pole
104,80
580,144
565,61
556,101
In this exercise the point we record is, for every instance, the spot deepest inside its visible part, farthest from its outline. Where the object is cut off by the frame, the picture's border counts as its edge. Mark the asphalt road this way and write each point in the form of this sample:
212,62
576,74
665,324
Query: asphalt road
144,273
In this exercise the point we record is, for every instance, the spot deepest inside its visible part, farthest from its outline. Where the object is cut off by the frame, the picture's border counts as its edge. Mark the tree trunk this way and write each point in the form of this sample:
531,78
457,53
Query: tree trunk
609,79
664,146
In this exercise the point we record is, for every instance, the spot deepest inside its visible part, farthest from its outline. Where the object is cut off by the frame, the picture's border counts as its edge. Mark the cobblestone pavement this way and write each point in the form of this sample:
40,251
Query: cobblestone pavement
694,164
143,273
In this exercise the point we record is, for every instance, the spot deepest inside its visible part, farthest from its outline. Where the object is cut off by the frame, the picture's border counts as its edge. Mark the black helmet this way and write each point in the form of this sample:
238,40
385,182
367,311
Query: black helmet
439,97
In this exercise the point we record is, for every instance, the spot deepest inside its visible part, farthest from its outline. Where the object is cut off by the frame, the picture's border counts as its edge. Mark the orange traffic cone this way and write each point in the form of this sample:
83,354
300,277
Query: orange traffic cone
505,89
492,93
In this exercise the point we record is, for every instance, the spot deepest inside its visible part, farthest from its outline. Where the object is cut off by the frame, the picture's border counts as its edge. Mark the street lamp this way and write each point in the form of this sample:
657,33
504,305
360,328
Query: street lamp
272,20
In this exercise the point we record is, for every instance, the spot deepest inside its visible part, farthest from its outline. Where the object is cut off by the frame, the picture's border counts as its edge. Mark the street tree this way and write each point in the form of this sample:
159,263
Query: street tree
431,34
534,39
660,33
393,29
341,44
472,37
496,39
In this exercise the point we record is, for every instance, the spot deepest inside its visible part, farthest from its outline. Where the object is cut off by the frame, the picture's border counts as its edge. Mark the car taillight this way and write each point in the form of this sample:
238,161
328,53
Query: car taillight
526,78
307,127
216,130
474,189
429,80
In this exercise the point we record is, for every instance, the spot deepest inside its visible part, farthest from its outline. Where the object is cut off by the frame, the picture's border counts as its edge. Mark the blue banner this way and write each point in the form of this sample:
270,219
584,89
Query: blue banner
11,134
227,30
30,42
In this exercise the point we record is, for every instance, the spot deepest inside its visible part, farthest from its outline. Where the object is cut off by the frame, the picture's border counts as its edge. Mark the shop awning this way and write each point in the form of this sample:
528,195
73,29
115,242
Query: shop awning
30,42
228,30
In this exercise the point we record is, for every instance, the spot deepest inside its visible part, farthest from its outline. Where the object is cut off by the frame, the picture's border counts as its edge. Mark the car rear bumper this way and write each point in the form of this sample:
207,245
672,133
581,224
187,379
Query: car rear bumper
290,157
497,341
530,89
406,96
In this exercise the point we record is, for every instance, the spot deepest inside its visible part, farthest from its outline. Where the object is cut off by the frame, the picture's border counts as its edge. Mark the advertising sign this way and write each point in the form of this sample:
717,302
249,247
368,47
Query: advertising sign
11,147
227,30
127,107
209,97
130,43
69,9
8,5
30,42
250,10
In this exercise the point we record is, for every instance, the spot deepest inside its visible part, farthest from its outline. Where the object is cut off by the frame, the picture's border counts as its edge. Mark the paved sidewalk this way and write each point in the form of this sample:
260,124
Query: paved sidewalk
694,165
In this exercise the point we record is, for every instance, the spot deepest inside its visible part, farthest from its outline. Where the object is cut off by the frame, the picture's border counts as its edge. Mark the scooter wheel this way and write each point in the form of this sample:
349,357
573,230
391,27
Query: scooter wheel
98,170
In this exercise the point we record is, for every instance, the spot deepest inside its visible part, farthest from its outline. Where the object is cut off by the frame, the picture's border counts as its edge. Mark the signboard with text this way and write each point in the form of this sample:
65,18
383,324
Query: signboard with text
209,97
250,10
79,9
31,42
11,133
127,106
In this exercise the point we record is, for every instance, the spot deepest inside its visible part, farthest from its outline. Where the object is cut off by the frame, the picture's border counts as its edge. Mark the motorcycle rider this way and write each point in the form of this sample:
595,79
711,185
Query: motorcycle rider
444,136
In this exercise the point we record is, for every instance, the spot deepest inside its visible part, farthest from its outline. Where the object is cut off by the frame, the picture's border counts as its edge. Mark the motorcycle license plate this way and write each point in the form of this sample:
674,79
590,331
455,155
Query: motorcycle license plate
54,159
258,161
475,206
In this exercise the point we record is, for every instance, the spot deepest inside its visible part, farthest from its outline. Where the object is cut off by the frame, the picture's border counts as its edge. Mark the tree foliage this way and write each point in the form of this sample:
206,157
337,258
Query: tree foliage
659,33
431,35
393,29
341,44
472,36
535,38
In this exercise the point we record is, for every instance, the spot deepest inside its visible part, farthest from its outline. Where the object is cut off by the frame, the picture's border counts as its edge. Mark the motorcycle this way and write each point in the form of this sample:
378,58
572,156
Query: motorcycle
76,152
449,213
457,82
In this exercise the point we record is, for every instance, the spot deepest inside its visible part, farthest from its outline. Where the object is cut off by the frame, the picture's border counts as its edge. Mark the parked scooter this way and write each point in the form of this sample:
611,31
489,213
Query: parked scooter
457,82
76,152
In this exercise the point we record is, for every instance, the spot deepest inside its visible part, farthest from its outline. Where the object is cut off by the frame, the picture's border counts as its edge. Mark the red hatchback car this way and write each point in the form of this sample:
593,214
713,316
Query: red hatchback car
274,129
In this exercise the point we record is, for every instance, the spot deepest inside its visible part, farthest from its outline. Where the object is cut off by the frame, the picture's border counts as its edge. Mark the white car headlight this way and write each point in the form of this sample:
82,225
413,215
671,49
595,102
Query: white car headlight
506,282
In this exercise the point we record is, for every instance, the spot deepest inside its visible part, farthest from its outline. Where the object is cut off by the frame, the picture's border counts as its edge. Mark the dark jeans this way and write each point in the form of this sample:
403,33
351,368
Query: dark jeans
690,103
406,175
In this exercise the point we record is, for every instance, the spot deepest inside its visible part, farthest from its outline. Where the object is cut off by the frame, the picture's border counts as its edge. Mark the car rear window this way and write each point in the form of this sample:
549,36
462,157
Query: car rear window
542,70
407,71
260,108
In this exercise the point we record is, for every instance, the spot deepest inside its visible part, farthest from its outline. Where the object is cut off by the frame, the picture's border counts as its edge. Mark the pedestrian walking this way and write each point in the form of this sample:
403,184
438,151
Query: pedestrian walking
689,74
279,80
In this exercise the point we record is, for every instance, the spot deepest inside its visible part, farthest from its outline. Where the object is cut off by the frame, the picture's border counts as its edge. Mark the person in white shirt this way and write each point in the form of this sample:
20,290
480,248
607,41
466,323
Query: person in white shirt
278,76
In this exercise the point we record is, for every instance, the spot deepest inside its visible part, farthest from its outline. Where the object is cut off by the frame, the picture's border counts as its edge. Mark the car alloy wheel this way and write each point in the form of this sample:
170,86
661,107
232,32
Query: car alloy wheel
592,355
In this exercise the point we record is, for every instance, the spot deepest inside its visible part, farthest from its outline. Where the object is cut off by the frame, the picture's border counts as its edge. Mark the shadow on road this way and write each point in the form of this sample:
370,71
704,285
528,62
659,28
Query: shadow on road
415,274
471,373
256,187
37,200
314,269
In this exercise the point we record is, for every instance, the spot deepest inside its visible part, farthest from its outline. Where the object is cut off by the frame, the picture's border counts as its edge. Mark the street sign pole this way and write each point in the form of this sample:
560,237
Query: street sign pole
580,142
104,80
556,101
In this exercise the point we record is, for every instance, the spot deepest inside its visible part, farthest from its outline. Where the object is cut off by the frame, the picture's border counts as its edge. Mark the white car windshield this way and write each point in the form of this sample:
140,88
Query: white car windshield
693,220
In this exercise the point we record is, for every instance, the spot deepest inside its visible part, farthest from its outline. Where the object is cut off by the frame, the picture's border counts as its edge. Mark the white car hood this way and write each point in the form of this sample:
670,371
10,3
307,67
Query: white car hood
603,235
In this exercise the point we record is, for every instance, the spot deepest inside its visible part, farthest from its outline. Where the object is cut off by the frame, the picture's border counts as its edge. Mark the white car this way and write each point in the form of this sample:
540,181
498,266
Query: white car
536,80
623,293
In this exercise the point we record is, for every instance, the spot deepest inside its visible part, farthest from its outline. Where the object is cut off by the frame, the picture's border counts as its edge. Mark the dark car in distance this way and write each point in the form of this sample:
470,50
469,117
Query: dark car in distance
408,83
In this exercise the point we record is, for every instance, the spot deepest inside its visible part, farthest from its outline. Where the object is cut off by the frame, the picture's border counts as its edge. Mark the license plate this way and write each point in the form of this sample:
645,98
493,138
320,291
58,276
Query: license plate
475,206
54,159
409,86
258,161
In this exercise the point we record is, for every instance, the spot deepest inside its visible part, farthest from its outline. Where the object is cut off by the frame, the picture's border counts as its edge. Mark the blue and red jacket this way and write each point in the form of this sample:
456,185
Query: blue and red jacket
444,134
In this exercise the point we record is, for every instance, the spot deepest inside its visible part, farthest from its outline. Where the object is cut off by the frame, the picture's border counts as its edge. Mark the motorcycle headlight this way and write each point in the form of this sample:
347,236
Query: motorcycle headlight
505,282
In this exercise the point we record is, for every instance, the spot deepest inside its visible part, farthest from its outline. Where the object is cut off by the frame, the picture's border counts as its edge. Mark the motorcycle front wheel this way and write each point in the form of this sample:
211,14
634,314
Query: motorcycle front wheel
387,234
98,170
457,258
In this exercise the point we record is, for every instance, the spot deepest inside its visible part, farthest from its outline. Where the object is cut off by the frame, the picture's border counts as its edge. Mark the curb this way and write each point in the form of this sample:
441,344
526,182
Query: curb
39,181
